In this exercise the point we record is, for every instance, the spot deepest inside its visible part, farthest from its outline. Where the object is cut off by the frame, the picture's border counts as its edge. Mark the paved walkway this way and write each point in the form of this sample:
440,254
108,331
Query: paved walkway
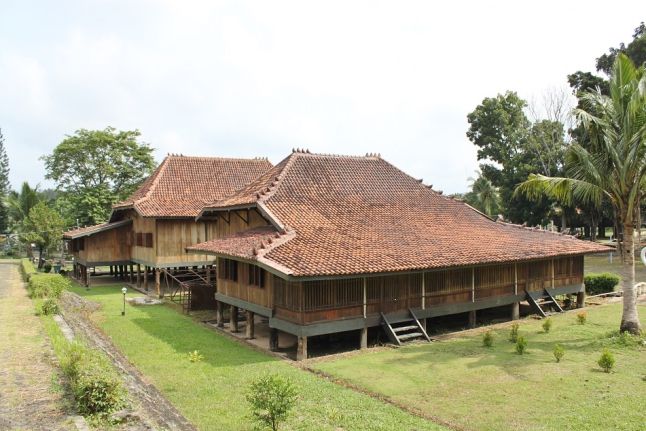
29,396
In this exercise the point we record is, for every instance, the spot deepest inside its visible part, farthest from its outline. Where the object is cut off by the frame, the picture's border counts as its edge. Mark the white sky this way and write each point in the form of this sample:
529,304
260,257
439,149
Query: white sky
260,78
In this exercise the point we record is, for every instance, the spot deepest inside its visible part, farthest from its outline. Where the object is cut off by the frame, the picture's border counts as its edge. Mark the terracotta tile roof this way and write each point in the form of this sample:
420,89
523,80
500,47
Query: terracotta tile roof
356,215
91,230
181,186
244,244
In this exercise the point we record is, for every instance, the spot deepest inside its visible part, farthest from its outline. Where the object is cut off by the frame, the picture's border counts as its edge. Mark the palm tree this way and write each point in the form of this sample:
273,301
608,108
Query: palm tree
19,204
612,166
483,195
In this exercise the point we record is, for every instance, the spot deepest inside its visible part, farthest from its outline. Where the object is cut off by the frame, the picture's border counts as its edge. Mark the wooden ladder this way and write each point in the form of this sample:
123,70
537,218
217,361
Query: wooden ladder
407,330
545,298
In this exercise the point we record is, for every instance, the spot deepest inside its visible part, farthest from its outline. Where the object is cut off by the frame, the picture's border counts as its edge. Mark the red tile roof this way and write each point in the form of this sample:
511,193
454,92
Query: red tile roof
91,230
356,215
182,185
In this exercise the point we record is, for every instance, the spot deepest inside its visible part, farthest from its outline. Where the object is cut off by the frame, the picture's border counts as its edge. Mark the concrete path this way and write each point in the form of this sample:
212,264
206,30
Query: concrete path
30,397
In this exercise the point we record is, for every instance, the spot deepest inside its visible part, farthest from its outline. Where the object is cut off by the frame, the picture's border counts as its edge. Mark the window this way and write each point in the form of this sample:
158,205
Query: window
148,240
139,242
144,239
256,276
228,269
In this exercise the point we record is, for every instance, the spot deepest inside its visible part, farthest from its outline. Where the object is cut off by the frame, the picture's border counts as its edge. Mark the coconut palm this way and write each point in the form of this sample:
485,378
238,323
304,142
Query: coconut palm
612,166
483,195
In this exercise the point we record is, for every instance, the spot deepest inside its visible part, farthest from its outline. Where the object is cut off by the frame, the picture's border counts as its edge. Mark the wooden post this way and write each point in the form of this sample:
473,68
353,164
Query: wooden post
423,297
138,275
87,278
580,299
132,274
233,319
365,297
552,273
157,283
273,339
363,342
208,274
473,288
472,319
250,328
301,350
219,314
146,278
111,271
515,279
515,311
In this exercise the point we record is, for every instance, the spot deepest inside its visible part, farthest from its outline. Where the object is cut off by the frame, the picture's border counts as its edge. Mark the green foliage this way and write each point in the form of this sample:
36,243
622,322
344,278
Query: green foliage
47,268
487,339
47,285
43,226
47,307
636,51
271,398
521,345
547,325
95,168
559,352
581,317
483,195
19,204
4,184
606,361
27,269
621,339
95,384
195,356
513,333
600,283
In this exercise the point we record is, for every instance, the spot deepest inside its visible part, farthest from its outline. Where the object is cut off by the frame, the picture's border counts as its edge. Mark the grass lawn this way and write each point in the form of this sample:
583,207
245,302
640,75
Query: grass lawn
157,340
474,387
601,263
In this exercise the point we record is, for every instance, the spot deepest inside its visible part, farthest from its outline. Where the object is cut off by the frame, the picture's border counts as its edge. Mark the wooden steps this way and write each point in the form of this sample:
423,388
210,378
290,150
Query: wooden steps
407,330
543,303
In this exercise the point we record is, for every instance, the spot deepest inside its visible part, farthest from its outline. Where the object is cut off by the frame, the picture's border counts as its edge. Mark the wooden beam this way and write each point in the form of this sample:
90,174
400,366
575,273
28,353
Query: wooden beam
273,339
233,319
219,314
472,319
250,327
301,349
146,278
242,218
157,283
138,275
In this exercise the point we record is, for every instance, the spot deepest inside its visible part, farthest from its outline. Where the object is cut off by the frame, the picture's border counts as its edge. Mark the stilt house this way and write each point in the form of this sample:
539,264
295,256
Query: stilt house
351,243
147,233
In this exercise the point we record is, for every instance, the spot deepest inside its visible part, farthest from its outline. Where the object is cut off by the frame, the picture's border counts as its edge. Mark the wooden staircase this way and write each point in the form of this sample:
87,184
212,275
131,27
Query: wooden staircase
404,331
543,303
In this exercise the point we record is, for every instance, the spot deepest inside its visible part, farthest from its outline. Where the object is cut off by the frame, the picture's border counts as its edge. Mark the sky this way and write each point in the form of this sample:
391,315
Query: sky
258,78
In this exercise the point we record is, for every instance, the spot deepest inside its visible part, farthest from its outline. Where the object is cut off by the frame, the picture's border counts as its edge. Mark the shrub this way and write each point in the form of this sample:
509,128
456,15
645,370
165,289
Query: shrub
195,356
271,398
521,345
559,352
47,268
547,325
48,306
487,339
95,385
27,268
47,285
582,317
601,283
606,361
513,334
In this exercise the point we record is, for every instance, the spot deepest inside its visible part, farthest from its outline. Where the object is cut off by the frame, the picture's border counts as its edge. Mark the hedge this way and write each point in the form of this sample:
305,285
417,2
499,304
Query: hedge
605,282
47,285
27,269
95,384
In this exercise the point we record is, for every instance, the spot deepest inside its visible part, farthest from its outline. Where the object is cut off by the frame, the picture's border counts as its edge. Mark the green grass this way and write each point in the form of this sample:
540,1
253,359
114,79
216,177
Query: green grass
601,263
475,387
210,393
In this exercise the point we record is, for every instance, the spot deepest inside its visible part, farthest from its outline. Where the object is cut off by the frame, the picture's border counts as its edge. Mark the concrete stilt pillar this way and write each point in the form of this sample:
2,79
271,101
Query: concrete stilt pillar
233,319
580,299
138,275
219,317
157,283
363,340
250,328
273,339
301,349
87,277
472,319
515,311
146,278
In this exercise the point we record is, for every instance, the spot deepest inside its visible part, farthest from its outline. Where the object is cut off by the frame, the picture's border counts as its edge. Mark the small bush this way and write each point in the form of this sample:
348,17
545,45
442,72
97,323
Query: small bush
195,356
96,386
47,285
47,268
48,306
559,352
513,334
487,339
605,282
521,345
581,317
547,325
271,398
606,361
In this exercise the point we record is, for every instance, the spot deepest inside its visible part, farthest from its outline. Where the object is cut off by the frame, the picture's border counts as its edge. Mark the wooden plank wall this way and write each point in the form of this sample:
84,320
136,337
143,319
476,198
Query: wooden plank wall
241,289
111,245
144,225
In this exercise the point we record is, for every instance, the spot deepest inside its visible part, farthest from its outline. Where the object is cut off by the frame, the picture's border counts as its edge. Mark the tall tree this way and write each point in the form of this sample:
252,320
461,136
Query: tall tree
19,204
636,51
483,195
95,168
43,227
612,166
505,140
4,184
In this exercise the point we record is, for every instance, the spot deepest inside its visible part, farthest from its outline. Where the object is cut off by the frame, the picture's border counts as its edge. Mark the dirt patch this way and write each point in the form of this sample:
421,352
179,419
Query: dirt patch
150,409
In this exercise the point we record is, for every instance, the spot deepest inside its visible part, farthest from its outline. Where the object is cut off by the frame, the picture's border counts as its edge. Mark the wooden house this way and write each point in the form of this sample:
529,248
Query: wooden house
350,243
147,233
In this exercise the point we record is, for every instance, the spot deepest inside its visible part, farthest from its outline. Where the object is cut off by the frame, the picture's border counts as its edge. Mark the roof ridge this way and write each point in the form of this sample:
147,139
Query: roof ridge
246,159
535,229
307,152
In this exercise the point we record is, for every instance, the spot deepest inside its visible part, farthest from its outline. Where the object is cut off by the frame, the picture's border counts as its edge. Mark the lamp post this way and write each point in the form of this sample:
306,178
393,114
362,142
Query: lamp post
124,290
